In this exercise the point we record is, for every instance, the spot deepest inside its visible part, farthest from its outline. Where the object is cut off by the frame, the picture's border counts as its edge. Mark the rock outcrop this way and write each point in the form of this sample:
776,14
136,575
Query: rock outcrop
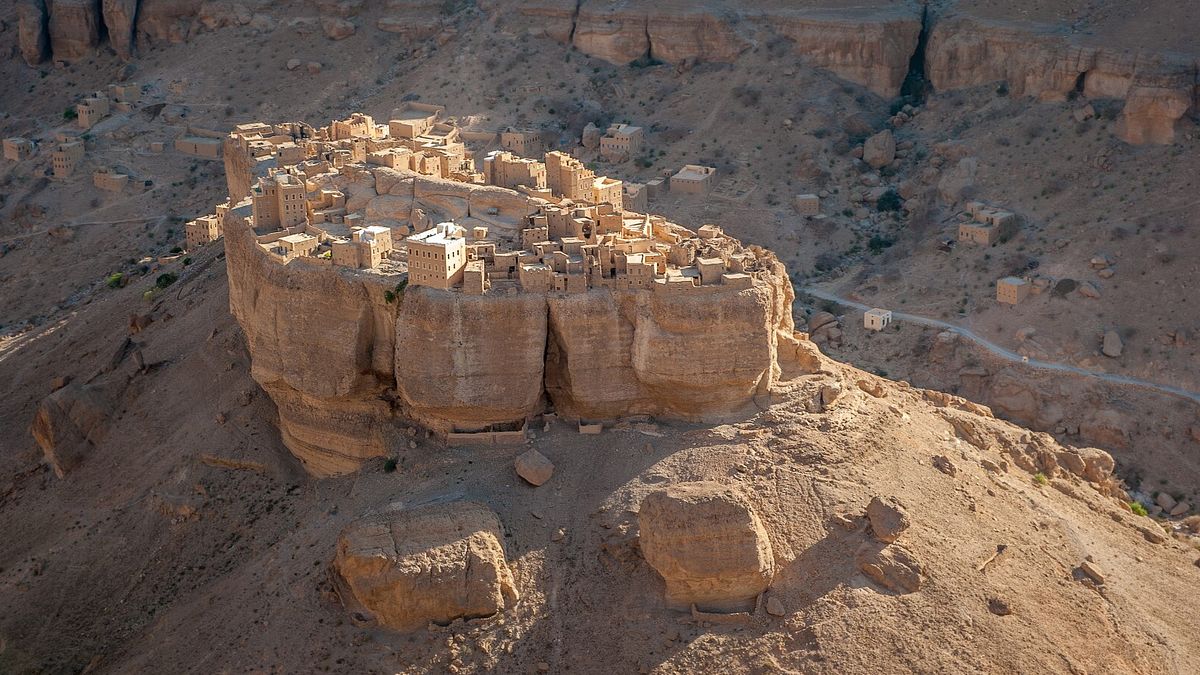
68,423
74,28
120,20
33,34
344,363
871,47
708,544
1158,89
407,567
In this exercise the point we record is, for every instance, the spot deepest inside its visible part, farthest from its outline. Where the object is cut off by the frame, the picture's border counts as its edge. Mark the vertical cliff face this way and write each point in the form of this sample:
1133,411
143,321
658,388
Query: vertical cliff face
467,361
345,366
120,20
33,37
322,348
75,27
1158,89
872,50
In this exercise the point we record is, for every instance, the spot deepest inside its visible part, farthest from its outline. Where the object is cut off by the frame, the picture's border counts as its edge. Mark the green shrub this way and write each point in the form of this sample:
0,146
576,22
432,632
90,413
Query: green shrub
1138,509
389,465
389,297
878,243
176,249
115,280
166,279
889,201
70,114
1040,478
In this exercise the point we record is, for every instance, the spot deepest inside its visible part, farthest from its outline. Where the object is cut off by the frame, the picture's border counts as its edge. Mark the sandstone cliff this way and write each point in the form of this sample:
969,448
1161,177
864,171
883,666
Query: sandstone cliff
120,19
32,34
345,366
322,345
74,28
1158,89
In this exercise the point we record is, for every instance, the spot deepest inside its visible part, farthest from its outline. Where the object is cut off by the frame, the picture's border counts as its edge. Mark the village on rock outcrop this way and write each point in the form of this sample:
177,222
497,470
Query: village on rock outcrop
558,267
557,227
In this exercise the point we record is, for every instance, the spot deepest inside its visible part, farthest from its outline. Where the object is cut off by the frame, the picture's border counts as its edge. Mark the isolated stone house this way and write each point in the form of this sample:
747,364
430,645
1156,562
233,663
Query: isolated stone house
1012,290
17,149
693,179
621,141
91,110
66,157
877,319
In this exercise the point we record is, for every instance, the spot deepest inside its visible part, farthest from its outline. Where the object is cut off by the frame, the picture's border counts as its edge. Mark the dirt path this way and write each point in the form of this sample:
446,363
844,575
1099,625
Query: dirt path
1010,355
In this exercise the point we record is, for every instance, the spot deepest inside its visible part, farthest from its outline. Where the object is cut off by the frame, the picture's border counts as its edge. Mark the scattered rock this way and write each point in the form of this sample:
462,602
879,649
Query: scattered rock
708,544
406,567
534,467
1180,509
830,393
1112,345
880,149
1166,501
888,518
1100,261
293,64
775,607
943,464
893,567
59,382
337,29
1085,113
1092,570
313,67
1106,273
1088,290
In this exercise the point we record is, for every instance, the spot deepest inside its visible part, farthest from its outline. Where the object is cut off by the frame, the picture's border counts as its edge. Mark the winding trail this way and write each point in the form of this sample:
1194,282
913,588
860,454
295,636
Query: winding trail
1008,354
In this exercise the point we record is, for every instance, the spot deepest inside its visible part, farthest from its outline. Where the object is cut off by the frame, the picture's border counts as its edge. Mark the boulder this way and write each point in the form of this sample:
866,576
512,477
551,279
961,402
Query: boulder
893,567
591,136
337,29
407,567
1092,570
68,423
888,518
1088,290
534,467
33,35
958,182
1166,501
1112,345
708,544
880,149
820,319
293,64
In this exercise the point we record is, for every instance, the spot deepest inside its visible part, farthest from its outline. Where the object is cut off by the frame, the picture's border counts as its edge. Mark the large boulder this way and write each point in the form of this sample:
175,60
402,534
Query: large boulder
407,567
708,545
880,149
68,423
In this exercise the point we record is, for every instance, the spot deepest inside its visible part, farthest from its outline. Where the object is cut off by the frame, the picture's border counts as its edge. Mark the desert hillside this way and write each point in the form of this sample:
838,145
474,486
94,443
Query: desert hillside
977,487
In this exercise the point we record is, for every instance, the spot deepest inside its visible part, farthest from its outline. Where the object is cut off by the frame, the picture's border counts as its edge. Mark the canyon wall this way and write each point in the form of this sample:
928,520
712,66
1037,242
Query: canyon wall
350,360
1158,88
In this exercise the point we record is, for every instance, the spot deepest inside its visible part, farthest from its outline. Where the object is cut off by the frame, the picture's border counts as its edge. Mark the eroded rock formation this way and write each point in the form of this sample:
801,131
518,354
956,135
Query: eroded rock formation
344,363
407,567
708,544
68,423
33,35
